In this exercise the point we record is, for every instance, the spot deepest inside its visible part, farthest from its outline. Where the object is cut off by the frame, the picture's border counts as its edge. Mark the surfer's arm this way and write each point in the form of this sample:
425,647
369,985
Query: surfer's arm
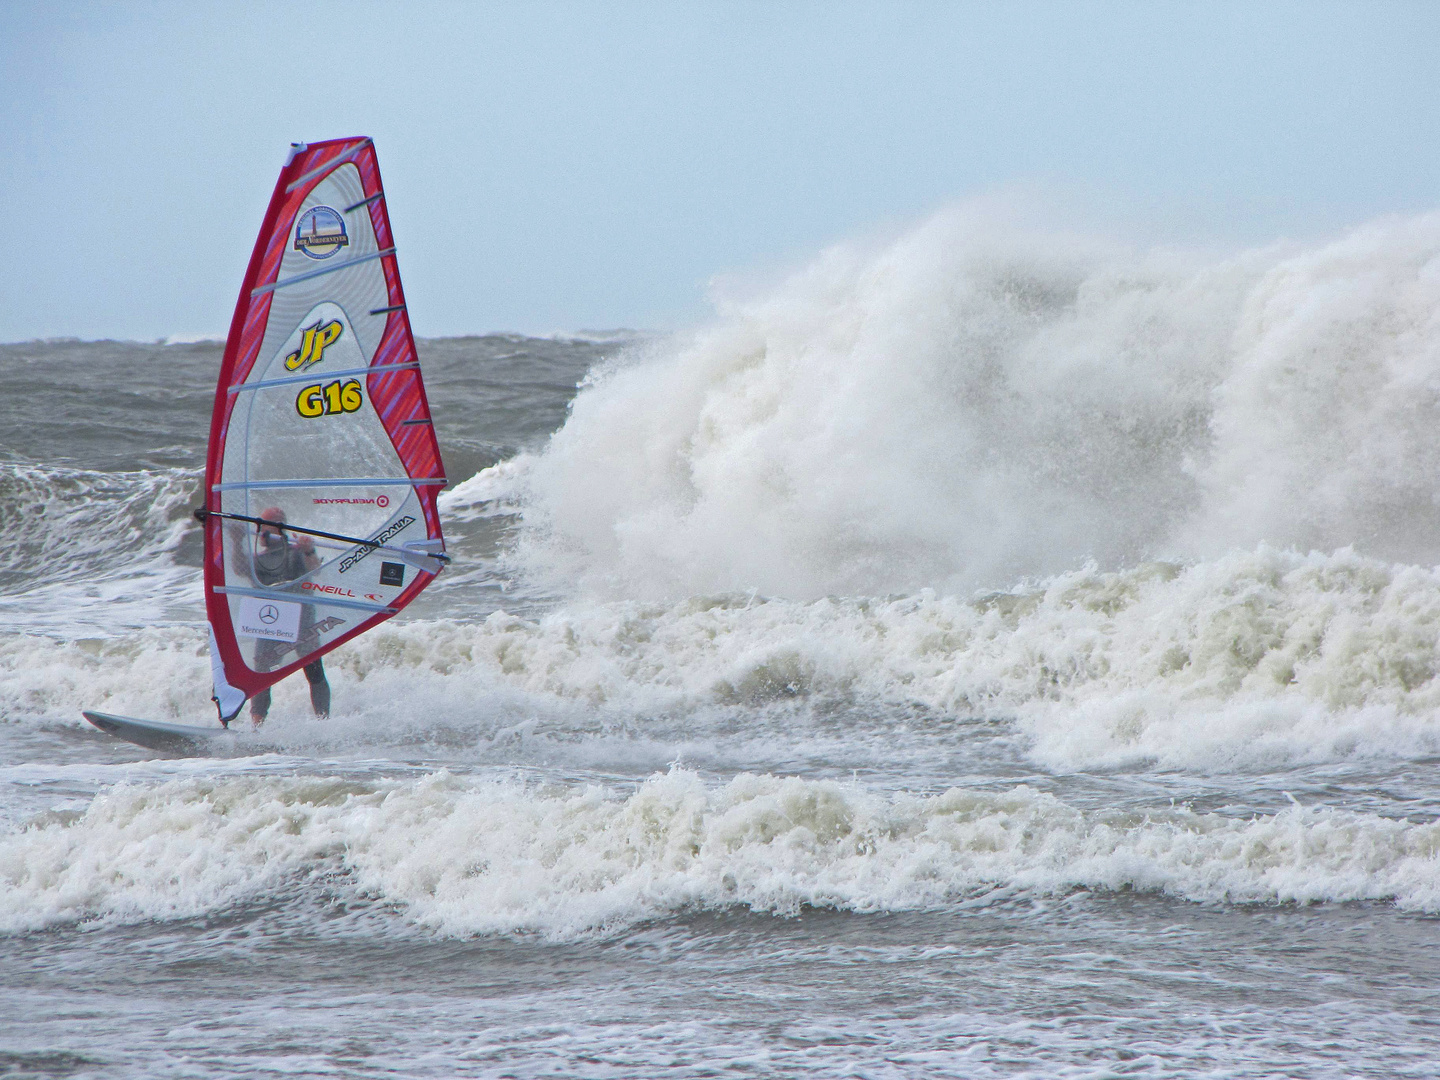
238,562
305,545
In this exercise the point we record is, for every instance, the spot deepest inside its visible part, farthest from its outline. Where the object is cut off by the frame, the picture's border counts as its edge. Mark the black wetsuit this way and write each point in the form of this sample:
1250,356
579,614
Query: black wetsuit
276,563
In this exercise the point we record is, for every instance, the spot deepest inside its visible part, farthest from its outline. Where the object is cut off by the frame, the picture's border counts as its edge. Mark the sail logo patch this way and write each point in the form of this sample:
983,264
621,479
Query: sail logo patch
330,590
274,620
327,399
381,501
313,343
392,573
320,232
385,537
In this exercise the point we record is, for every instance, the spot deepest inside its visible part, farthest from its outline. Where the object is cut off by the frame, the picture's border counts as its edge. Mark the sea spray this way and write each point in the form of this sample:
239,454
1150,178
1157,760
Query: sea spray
975,404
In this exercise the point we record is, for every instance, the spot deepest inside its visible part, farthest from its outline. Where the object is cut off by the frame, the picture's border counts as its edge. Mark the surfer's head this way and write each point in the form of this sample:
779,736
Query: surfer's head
275,514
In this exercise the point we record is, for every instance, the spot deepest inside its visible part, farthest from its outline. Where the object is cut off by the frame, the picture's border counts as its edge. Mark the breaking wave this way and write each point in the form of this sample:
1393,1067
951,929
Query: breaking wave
85,548
467,856
977,403
1253,659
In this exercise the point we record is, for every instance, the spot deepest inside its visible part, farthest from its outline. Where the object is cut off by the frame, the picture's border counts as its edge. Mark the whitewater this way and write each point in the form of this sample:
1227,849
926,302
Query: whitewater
987,650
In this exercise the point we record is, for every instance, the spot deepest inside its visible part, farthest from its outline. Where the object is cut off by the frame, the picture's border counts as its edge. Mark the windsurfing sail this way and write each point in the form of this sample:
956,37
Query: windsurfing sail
323,467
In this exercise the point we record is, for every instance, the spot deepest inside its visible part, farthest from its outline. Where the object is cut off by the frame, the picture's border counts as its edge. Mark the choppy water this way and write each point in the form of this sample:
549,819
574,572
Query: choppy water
988,655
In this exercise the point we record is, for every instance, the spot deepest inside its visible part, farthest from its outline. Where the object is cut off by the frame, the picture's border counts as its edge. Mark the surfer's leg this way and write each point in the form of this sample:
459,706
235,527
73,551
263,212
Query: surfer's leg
264,660
319,688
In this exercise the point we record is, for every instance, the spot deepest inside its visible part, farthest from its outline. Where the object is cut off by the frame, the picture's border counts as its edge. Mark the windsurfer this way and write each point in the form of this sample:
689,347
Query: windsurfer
279,559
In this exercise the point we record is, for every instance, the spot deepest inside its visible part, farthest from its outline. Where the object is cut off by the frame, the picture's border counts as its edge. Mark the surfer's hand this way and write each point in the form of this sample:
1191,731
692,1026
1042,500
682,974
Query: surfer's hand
305,545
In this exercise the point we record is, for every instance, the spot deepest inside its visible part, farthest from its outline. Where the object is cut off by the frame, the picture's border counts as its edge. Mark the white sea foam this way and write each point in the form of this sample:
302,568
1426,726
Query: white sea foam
161,672
1251,660
977,403
504,856
491,492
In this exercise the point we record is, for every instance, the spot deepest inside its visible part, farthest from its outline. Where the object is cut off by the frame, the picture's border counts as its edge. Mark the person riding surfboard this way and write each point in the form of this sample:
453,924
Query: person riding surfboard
319,400
276,559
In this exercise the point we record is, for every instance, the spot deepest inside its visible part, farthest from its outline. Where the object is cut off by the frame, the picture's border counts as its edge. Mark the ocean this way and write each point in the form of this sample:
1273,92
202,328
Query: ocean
986,651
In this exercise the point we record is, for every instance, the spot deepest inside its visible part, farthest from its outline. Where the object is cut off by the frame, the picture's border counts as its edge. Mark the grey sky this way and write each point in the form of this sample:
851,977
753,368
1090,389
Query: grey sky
554,166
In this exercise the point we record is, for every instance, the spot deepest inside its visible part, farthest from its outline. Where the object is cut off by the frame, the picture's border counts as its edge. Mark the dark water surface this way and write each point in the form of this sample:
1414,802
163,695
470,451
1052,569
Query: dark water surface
1007,989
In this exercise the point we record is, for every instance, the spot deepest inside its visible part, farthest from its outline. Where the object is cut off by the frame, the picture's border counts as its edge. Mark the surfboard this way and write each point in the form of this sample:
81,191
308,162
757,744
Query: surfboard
182,739
322,471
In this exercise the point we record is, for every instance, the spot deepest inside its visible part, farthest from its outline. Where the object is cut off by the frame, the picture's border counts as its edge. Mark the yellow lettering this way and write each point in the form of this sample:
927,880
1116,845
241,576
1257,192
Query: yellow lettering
320,399
350,396
310,402
328,336
315,340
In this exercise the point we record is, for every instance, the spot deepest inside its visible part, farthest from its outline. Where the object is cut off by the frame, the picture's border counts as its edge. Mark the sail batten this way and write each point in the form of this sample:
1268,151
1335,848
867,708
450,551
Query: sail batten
326,481
319,601
298,278
329,166
383,369
365,202
323,468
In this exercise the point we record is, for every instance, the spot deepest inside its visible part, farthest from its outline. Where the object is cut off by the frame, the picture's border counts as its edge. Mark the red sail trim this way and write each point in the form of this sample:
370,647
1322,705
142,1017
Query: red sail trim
416,445
319,172
398,400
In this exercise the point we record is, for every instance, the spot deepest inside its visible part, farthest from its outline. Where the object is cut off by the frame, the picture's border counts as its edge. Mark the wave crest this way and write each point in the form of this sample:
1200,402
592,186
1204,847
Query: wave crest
465,857
976,403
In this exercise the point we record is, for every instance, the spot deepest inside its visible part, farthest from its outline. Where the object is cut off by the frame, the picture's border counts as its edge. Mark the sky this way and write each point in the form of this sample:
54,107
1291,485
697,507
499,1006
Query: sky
552,167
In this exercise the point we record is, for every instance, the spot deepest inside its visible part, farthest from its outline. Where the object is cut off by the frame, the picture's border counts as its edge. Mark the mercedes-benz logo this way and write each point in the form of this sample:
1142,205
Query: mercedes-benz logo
269,613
